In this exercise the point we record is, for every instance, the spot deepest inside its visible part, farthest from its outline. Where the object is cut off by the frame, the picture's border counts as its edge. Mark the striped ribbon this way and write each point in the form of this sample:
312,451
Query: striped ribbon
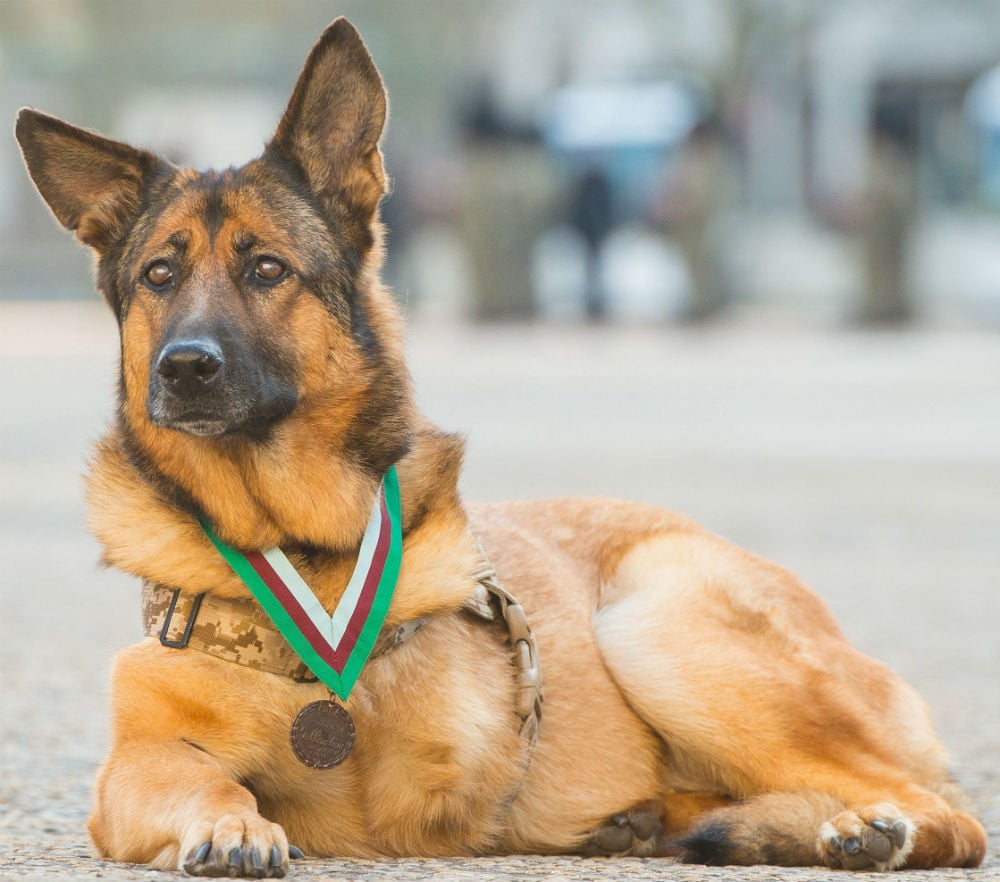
334,647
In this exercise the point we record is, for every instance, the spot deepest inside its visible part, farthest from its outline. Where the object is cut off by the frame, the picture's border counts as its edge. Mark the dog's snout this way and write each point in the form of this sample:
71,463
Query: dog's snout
210,383
187,366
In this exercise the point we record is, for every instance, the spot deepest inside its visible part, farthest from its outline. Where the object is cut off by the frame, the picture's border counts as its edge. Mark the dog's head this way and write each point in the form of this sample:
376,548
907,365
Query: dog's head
245,295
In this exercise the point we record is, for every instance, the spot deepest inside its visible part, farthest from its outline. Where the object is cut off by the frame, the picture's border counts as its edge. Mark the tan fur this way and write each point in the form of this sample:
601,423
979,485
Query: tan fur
680,671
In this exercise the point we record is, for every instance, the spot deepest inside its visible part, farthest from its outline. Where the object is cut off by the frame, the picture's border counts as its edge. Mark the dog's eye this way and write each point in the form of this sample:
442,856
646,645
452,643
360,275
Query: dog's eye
159,274
269,270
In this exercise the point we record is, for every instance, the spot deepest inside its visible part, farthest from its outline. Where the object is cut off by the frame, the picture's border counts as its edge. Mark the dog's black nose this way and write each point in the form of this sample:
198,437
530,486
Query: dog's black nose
187,366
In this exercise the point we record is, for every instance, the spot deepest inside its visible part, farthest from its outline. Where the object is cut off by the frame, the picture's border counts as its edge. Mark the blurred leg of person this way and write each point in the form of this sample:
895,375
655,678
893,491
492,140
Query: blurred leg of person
889,206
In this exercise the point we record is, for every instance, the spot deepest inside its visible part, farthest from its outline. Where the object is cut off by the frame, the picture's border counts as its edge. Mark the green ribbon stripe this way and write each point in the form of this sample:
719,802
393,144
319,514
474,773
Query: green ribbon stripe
340,684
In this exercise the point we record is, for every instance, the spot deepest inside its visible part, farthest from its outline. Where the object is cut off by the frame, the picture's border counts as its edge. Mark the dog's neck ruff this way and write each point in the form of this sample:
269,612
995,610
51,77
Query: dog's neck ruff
334,647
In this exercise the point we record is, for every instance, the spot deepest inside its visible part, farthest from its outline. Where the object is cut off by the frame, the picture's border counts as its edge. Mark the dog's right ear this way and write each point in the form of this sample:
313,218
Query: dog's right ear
92,184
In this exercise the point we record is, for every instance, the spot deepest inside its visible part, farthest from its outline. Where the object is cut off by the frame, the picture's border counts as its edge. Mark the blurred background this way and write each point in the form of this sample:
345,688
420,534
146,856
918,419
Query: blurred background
603,160
740,258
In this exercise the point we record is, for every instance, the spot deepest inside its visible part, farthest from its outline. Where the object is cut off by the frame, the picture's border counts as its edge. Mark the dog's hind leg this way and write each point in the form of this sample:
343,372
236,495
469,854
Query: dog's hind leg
781,828
827,755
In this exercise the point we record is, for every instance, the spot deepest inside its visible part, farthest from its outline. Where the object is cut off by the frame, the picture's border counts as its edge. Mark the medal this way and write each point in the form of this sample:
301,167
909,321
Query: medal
322,734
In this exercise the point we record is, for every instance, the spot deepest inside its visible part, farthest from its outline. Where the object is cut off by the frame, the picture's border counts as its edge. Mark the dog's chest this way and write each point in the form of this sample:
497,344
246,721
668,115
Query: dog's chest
438,753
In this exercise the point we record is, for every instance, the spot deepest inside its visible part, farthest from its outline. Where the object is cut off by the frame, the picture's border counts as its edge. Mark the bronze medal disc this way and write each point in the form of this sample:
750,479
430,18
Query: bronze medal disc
322,735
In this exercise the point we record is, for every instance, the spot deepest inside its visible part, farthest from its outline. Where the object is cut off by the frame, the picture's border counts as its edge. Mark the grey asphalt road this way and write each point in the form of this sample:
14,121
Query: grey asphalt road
867,462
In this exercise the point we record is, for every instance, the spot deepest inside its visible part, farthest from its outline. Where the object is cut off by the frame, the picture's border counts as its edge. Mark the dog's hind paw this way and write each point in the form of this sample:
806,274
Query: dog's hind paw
879,838
238,845
635,832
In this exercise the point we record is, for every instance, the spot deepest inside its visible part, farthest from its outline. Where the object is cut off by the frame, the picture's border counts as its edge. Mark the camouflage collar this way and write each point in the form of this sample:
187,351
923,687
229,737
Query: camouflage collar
238,630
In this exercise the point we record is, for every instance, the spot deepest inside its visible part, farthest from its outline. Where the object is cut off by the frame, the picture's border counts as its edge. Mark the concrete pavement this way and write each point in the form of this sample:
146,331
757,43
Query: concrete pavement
869,463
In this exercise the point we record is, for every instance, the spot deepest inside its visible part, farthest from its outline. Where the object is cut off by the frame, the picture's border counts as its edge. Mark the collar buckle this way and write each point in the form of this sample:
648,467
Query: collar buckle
188,627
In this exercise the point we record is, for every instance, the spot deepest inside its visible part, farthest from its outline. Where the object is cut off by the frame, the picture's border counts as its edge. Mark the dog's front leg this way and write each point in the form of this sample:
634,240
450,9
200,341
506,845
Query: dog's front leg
171,805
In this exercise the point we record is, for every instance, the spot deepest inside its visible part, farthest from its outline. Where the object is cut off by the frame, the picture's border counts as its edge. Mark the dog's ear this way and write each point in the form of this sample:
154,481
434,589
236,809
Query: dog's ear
92,184
333,123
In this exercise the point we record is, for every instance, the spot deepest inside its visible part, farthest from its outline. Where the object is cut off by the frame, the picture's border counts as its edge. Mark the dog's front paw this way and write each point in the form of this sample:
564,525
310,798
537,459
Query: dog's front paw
879,837
243,844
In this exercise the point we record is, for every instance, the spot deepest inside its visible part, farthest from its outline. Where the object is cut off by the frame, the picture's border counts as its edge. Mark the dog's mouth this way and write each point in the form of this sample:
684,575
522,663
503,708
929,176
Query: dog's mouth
202,426
202,420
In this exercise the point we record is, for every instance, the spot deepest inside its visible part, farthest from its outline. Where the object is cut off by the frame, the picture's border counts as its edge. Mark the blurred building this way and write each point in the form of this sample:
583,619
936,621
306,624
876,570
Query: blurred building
482,220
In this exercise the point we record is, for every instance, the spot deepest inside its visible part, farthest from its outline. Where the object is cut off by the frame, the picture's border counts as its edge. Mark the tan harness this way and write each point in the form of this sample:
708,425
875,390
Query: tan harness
238,630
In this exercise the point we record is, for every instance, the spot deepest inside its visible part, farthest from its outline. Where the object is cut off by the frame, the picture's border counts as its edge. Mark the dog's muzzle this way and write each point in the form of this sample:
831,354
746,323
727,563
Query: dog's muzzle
187,388
199,386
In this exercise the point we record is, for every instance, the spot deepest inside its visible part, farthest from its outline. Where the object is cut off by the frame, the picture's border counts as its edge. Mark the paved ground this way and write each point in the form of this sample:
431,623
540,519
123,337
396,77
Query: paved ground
870,463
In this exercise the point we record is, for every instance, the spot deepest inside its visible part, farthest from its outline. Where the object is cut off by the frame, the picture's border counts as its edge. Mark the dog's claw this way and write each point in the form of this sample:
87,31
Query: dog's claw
294,852
236,857
257,867
852,845
202,852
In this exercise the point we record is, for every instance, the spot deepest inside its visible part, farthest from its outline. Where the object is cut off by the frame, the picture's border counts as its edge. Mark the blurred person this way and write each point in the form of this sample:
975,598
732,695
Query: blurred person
698,189
888,206
591,216
505,207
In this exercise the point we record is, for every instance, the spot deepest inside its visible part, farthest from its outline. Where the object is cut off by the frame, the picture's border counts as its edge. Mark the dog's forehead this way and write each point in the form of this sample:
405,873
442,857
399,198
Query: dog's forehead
230,209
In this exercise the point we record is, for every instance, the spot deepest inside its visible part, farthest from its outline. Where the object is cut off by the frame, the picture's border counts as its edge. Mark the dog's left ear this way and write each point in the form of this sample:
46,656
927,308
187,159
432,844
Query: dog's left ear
333,123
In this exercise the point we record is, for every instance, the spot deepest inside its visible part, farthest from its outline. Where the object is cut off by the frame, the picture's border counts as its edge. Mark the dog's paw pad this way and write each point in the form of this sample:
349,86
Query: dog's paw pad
238,845
635,832
877,838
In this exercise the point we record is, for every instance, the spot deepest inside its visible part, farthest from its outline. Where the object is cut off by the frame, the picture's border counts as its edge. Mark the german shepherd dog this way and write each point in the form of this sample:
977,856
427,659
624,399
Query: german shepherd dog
699,702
